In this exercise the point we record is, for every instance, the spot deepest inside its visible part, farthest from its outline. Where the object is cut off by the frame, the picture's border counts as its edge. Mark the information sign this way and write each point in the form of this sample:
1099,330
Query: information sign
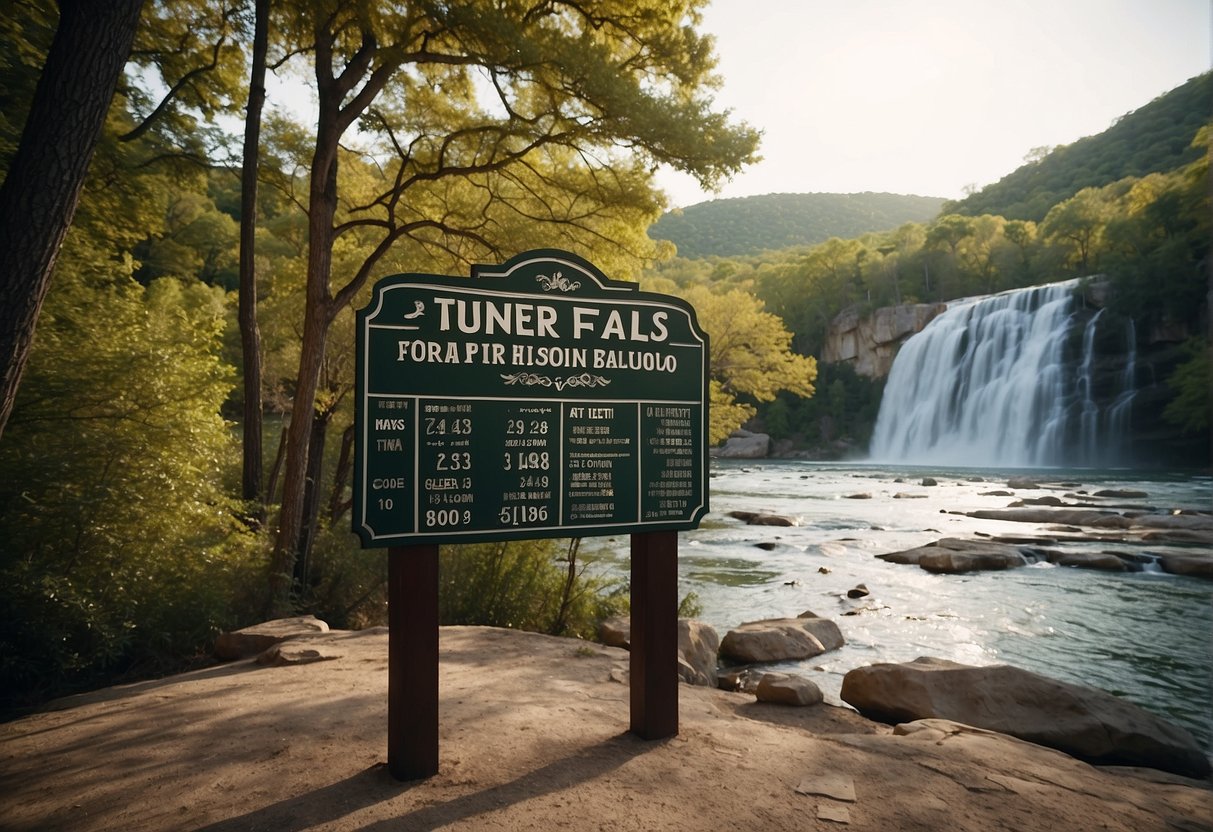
536,399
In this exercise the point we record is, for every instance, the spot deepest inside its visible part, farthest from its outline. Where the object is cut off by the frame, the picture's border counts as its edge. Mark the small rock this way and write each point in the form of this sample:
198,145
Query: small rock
821,570
858,591
743,680
766,545
757,518
929,481
832,785
616,631
1047,500
787,689
1121,493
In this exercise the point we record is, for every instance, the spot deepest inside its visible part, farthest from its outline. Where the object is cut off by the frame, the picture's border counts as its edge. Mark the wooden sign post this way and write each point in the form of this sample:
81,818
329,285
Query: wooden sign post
537,399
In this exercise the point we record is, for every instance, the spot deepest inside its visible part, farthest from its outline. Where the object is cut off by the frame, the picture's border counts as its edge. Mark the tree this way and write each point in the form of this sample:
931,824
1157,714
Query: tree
1077,224
42,187
567,82
250,336
749,354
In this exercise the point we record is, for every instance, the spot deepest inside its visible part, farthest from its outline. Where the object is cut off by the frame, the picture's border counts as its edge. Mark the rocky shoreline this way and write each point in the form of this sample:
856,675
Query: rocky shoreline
533,737
1086,723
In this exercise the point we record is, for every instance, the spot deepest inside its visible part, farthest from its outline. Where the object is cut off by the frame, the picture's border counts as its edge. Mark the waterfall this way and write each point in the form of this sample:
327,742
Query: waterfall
1009,380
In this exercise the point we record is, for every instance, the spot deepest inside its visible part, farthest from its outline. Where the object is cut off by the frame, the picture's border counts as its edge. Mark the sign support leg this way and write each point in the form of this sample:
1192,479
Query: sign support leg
654,652
412,689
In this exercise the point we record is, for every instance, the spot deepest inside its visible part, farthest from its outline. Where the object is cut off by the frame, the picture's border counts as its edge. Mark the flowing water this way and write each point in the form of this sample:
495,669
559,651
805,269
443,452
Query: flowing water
1009,380
1145,636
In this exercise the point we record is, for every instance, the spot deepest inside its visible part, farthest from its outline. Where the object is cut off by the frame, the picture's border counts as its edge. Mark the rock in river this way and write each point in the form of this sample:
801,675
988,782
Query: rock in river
953,555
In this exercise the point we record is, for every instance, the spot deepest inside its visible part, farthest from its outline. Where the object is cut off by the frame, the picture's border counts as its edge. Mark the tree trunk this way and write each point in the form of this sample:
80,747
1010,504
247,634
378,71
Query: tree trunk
271,484
337,505
250,337
39,196
311,498
322,207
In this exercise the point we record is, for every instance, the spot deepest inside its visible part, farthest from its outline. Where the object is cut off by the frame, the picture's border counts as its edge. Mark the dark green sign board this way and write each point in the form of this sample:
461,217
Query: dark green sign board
536,399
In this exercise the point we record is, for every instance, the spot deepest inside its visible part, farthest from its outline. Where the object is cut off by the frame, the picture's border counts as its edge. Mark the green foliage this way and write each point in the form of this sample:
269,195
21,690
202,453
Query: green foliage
1192,382
690,606
748,225
838,420
750,356
121,548
521,585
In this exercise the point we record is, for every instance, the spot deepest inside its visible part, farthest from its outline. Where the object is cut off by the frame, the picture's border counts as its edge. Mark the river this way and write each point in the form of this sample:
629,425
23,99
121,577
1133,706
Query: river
1146,636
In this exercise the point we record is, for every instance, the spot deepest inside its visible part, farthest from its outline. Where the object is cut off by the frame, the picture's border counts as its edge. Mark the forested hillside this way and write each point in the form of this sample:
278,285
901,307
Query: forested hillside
748,225
1152,139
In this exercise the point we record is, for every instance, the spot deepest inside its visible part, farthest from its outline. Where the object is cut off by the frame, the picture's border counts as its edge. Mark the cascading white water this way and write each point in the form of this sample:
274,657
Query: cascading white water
1003,381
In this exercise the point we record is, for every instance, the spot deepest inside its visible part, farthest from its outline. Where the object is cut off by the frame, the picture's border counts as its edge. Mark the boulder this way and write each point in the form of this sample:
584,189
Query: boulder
698,644
1021,482
1176,521
781,639
787,689
745,445
1047,500
1193,564
1065,516
616,631
1084,722
1122,493
929,481
954,555
250,641
1090,560
761,518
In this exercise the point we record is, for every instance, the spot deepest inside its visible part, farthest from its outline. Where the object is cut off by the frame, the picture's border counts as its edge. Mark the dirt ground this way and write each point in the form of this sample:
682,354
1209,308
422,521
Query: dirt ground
533,737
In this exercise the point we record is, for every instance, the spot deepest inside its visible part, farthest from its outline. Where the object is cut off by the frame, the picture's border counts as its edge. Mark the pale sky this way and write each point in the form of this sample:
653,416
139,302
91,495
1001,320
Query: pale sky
928,96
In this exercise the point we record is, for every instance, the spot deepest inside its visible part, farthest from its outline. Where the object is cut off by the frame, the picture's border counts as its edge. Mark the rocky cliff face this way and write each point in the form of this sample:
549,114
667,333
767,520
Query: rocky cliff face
870,343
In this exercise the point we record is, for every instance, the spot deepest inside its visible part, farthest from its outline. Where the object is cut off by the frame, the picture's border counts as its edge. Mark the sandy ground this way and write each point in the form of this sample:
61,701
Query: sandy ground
533,737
